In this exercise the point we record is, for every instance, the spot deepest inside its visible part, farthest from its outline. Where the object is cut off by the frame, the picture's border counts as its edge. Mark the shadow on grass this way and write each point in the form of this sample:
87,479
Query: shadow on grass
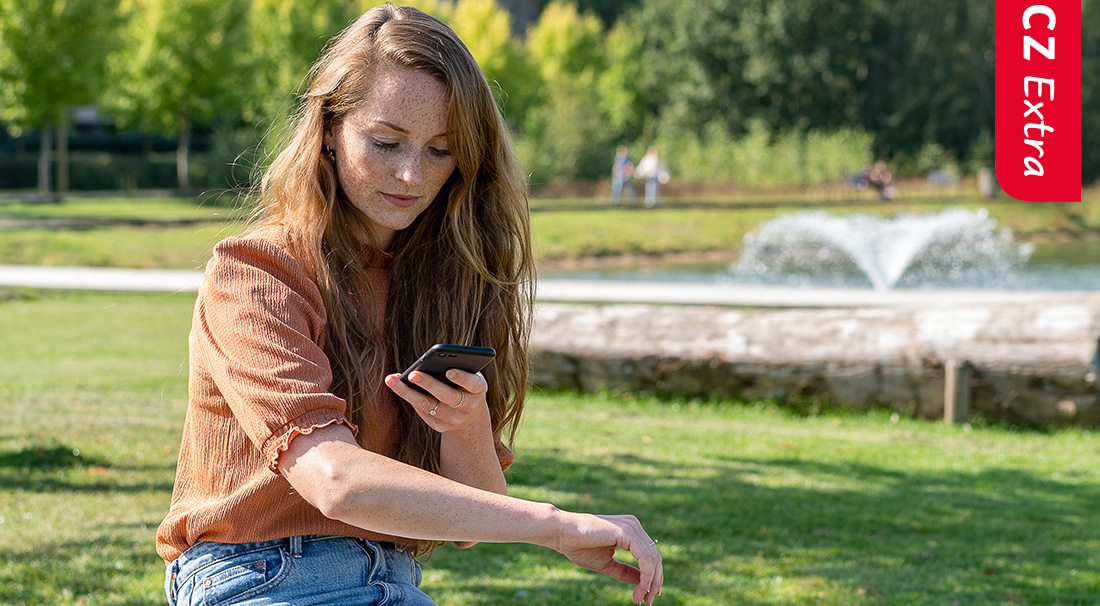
56,456
61,468
118,568
869,534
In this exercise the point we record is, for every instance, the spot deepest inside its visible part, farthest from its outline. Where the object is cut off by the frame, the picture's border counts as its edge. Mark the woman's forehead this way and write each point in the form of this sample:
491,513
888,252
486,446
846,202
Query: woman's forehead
412,101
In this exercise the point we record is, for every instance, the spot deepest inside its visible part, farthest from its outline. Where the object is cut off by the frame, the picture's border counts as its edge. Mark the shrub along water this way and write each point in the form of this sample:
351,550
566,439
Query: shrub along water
760,160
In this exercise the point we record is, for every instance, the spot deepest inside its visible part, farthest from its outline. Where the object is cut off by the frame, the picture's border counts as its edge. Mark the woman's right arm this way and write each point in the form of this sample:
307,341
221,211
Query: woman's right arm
348,483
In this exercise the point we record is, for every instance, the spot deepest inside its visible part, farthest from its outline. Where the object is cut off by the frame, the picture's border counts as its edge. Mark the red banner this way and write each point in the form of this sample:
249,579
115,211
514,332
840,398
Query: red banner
1038,97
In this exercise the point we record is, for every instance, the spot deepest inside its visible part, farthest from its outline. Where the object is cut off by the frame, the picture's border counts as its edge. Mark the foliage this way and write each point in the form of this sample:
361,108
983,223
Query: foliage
177,68
180,63
486,28
621,99
911,72
1090,90
284,38
565,43
564,135
53,55
931,76
761,160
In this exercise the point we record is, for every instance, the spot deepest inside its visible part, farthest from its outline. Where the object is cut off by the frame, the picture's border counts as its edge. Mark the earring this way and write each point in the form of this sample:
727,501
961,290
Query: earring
327,153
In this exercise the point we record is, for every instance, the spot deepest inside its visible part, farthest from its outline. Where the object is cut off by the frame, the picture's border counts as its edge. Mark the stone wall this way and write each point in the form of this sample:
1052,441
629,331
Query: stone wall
1032,361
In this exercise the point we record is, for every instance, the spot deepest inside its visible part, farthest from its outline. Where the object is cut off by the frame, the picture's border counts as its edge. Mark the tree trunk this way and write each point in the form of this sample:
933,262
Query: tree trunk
44,153
63,156
183,152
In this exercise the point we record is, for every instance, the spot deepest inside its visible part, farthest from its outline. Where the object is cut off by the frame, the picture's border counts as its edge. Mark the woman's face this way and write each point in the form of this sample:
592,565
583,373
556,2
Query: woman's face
392,155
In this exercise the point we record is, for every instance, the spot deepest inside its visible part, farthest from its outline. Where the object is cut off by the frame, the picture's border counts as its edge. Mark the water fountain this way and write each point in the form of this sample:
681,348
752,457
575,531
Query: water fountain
959,321
953,247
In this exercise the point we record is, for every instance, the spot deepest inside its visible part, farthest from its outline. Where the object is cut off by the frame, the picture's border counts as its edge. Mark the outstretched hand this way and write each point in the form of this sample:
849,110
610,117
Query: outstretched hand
593,543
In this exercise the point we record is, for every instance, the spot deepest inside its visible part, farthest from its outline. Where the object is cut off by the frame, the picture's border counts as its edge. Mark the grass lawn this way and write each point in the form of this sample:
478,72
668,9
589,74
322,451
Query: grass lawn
164,208
752,504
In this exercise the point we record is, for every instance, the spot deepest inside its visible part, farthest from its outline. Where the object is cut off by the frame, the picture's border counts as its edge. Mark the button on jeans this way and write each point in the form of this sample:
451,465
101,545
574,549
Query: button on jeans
335,571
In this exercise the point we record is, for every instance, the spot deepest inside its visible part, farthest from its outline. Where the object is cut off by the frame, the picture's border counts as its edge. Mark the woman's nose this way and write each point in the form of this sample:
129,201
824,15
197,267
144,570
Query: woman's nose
410,169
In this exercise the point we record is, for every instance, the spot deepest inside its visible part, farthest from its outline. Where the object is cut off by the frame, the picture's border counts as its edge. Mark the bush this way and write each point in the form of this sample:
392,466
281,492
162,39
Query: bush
759,160
565,138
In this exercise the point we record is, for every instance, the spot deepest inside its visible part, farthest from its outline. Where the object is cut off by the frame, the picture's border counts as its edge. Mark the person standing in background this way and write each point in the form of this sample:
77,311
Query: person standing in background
622,171
653,171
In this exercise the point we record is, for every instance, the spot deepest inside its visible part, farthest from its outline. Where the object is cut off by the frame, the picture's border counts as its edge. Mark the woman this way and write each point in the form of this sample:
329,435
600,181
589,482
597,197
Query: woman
395,218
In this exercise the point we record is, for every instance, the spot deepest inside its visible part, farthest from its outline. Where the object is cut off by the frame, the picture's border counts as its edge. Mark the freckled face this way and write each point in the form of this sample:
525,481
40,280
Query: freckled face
392,155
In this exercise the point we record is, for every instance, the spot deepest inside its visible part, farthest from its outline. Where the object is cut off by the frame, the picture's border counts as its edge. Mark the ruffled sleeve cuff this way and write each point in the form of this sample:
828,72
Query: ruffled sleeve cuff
305,424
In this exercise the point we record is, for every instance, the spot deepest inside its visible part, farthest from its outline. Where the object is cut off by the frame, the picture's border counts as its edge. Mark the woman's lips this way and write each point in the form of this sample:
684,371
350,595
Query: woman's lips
401,201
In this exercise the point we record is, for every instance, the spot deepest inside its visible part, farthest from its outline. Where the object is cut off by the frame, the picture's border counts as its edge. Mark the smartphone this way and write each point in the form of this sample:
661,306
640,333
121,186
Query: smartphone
443,357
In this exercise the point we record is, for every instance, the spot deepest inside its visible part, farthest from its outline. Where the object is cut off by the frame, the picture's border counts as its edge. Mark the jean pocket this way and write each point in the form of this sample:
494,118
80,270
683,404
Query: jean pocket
245,576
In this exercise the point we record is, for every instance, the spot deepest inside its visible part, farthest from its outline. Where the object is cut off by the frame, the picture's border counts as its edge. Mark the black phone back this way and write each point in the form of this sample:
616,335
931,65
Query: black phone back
443,357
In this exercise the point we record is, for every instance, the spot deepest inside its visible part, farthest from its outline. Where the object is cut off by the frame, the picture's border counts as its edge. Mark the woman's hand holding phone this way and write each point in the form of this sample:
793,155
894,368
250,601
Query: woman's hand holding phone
443,407
446,388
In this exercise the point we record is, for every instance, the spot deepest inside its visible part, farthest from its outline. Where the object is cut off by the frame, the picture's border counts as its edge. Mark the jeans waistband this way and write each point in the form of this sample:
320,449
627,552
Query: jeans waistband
203,554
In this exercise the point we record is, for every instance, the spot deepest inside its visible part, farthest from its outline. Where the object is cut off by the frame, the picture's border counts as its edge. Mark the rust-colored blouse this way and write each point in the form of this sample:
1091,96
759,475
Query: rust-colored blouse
258,378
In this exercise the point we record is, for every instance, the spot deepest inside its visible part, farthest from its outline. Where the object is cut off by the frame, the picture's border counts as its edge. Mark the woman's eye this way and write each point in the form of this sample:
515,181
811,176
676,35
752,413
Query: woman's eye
380,144
442,153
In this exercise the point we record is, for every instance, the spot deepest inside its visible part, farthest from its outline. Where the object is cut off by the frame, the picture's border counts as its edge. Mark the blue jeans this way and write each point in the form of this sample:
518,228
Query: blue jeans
298,571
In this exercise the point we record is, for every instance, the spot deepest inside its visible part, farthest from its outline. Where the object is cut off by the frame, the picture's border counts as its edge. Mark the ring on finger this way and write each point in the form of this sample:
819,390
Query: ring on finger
461,399
432,411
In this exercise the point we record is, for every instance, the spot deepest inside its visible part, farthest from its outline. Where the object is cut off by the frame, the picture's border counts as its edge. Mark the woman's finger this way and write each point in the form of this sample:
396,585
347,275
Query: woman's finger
469,382
650,565
423,403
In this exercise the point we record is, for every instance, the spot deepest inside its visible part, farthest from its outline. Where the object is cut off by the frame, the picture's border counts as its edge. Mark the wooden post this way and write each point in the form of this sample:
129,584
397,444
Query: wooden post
956,391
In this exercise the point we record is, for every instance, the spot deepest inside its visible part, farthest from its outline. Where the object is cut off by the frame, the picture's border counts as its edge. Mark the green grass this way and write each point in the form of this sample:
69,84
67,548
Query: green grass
580,228
580,234
92,390
145,247
157,209
753,504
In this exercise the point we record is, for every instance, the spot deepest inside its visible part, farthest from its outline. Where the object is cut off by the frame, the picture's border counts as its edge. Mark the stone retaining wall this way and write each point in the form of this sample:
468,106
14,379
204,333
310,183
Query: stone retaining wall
1035,362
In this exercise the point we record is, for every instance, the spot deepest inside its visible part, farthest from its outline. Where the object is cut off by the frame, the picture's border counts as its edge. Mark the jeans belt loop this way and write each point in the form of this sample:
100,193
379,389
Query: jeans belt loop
296,546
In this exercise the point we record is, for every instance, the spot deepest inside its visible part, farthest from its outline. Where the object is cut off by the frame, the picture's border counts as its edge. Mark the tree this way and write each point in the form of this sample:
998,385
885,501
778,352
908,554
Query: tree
53,55
186,61
566,134
912,72
565,43
285,38
622,100
486,29
693,66
931,76
1090,90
